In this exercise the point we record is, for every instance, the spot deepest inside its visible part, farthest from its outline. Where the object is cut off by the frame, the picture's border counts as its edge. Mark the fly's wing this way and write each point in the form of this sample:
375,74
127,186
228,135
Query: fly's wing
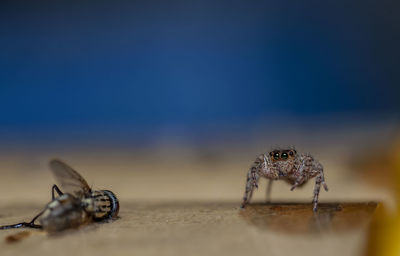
69,179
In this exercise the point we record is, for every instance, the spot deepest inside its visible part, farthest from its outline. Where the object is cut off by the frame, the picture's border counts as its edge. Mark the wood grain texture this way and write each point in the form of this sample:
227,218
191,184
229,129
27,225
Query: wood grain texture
190,228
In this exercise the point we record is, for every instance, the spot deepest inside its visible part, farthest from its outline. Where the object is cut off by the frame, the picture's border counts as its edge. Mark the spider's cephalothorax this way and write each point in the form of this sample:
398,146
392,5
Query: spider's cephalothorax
288,165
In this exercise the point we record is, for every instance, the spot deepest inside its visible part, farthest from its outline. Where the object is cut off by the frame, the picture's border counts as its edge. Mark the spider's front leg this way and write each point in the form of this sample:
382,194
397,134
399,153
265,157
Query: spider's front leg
304,171
251,183
319,179
299,180
308,169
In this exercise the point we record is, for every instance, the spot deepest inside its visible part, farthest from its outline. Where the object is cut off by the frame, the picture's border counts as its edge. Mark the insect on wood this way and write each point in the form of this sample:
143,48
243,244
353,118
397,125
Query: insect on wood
288,165
72,206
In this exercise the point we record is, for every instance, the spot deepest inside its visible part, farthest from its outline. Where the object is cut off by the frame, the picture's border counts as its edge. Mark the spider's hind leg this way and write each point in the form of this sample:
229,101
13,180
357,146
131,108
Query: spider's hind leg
268,193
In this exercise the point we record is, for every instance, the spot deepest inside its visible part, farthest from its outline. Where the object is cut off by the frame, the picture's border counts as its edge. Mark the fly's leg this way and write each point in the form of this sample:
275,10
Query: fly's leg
30,224
269,187
21,225
252,182
37,216
55,188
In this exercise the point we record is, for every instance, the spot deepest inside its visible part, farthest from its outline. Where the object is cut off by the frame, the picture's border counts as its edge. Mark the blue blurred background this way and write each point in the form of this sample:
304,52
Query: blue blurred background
137,69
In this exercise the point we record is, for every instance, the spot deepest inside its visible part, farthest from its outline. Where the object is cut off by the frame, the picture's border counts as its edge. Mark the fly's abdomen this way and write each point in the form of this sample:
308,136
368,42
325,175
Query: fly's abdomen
63,213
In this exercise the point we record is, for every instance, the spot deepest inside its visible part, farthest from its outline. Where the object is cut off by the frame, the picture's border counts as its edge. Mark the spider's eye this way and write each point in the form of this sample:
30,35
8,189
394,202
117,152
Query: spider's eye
276,155
291,153
270,153
284,155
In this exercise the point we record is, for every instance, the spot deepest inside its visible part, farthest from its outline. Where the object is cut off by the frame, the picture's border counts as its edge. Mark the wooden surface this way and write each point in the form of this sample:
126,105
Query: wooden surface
189,228
187,202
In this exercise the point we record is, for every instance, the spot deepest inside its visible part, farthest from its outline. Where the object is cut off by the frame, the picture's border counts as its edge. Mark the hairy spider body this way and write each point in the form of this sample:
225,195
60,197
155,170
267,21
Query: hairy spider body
286,164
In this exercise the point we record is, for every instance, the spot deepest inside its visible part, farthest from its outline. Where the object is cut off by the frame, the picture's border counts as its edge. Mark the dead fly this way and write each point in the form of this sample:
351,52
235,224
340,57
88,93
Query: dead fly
73,207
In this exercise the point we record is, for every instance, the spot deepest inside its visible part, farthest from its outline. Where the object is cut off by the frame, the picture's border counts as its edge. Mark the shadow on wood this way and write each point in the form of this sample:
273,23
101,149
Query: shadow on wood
298,218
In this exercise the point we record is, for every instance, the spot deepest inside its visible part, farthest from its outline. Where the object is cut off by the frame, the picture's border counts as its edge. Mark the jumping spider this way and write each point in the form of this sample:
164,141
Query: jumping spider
286,164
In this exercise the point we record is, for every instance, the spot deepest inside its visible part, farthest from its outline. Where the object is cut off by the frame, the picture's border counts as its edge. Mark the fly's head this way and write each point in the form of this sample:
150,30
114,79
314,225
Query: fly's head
105,205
